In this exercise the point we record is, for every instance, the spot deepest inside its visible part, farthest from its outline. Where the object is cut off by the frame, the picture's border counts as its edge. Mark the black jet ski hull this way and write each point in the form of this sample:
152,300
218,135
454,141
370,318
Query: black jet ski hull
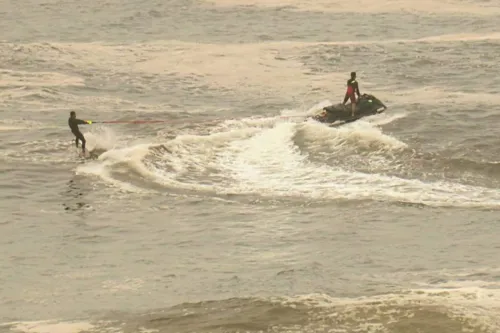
336,115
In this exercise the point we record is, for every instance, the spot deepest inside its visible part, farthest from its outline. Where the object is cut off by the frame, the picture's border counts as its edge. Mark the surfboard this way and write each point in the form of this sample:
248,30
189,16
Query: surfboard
88,155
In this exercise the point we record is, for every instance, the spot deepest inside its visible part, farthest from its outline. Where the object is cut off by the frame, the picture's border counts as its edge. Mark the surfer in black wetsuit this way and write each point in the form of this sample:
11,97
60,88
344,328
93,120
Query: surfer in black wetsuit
73,123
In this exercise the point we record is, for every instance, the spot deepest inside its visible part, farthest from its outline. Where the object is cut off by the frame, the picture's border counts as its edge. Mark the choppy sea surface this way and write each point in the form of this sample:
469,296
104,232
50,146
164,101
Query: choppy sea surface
234,214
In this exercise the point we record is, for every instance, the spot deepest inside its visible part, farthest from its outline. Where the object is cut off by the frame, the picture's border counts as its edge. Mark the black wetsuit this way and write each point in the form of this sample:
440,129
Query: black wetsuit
73,124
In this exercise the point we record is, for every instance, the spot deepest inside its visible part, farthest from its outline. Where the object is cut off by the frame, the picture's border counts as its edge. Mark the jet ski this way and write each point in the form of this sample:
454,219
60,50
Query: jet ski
338,114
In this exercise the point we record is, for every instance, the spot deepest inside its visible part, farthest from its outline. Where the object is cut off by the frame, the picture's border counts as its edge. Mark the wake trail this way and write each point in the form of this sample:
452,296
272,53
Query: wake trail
262,157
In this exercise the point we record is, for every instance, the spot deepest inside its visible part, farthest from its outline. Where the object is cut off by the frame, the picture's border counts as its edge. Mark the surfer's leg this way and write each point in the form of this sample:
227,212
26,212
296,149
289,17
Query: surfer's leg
83,143
82,138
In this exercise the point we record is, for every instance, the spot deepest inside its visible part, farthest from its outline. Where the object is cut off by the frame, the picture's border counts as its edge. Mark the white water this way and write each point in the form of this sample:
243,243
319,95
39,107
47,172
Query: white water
260,157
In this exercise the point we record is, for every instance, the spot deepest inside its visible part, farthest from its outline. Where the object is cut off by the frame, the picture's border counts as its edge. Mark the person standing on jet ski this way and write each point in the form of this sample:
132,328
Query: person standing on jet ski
352,90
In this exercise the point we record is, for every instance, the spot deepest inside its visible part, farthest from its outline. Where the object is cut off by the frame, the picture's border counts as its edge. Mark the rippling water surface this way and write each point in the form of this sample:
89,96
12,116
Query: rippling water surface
235,214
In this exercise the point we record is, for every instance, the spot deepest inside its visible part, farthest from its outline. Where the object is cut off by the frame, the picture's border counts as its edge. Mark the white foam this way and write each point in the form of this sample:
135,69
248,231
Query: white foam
386,118
478,307
103,168
100,137
360,134
116,153
270,164
260,157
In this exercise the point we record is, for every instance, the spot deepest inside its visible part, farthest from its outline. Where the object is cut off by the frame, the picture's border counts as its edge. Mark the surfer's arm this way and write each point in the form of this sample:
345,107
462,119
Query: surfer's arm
346,97
357,89
83,122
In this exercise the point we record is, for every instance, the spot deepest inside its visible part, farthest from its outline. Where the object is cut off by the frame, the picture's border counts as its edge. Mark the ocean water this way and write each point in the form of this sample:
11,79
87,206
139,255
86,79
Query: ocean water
234,214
